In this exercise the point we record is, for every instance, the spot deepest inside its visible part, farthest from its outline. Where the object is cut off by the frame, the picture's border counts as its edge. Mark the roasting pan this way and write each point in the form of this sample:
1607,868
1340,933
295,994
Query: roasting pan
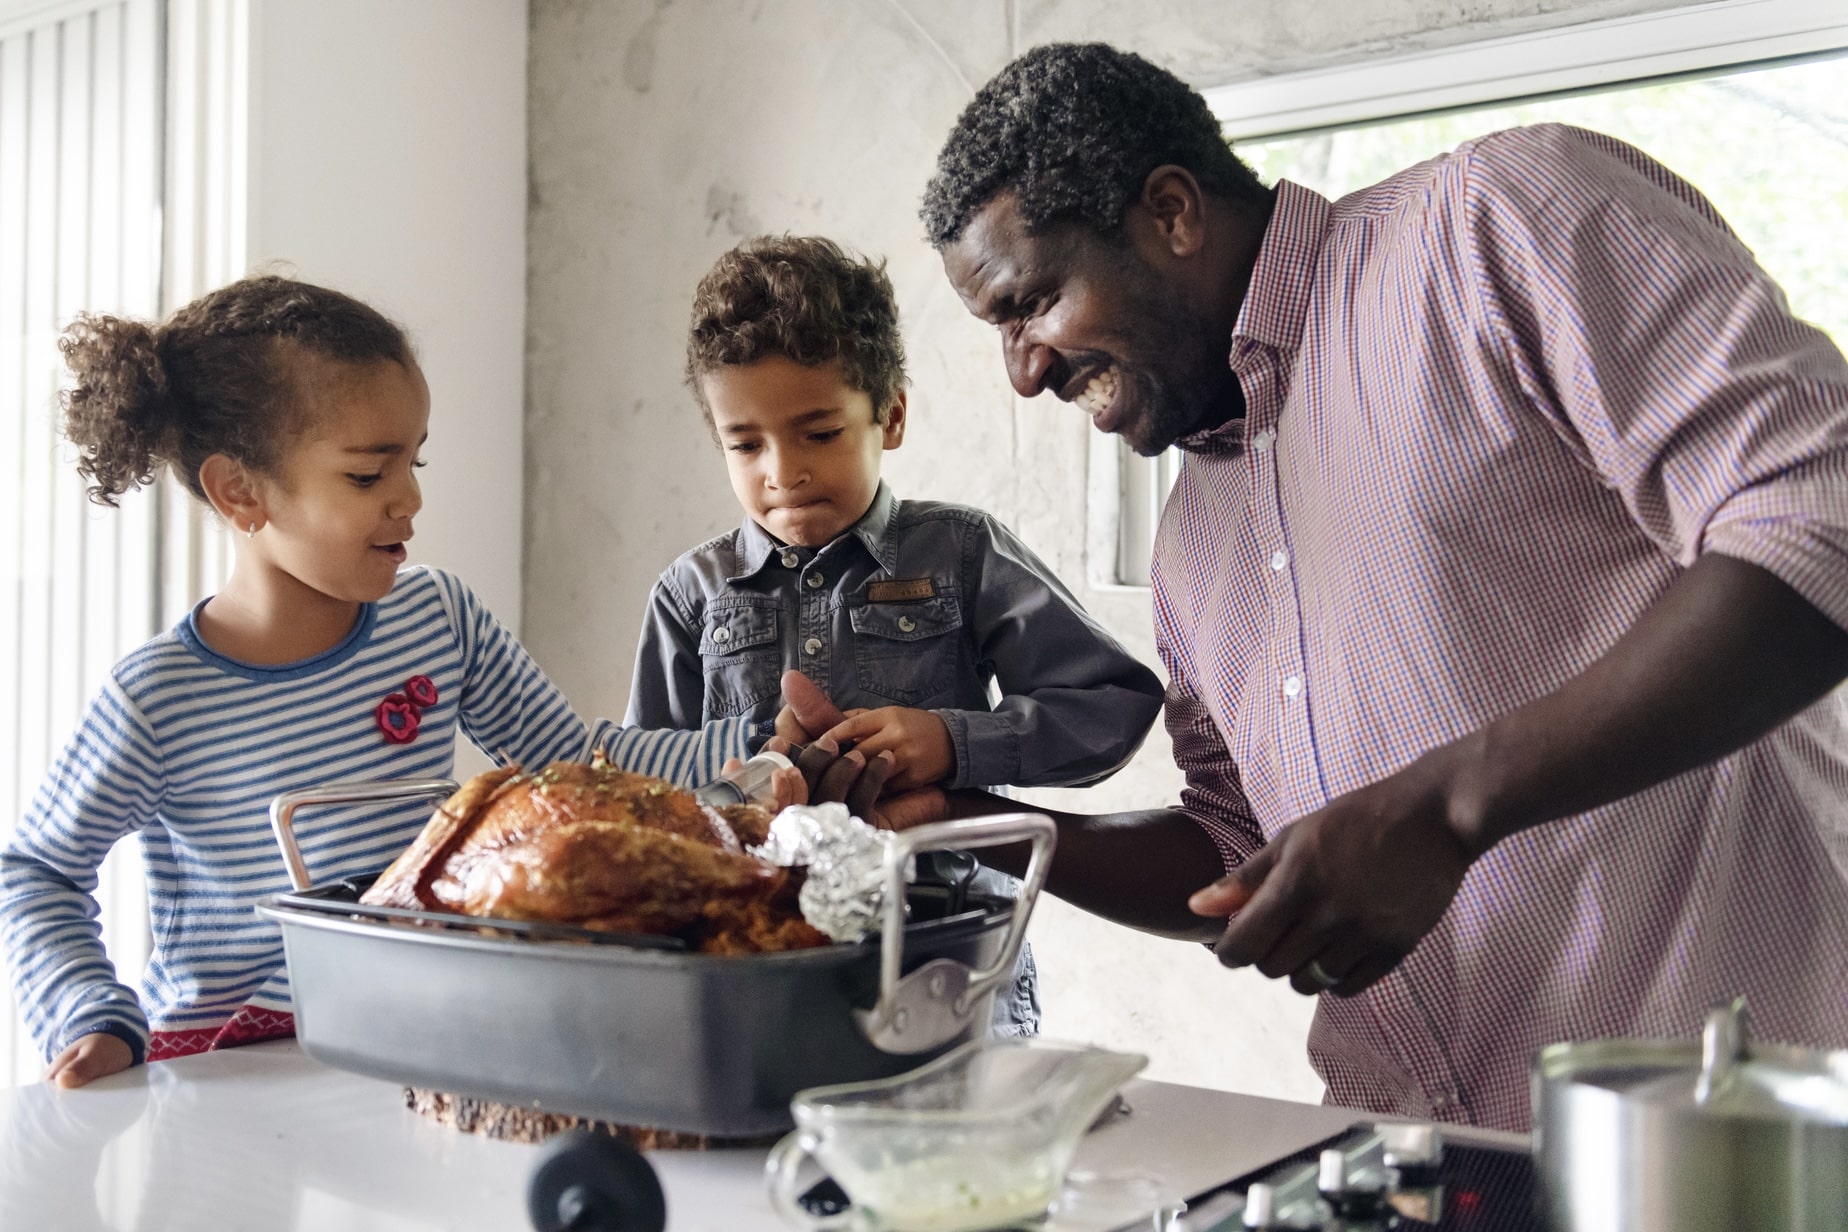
637,1030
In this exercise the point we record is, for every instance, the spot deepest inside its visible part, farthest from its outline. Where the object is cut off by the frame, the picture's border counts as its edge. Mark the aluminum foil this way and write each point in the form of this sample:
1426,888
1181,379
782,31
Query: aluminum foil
845,889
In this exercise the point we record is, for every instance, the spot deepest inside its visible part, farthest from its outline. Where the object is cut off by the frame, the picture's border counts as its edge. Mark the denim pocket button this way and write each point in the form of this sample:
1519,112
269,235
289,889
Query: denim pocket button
907,652
739,657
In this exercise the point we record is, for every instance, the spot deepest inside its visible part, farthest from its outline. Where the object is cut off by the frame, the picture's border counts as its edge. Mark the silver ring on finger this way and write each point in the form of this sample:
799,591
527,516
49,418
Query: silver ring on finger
1318,975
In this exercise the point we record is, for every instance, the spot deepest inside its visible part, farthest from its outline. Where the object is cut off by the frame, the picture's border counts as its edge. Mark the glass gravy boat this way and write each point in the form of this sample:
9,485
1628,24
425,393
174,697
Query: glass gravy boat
979,1138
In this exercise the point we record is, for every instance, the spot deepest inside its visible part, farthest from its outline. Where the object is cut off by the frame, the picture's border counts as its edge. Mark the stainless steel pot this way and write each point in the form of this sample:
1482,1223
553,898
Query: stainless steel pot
1727,1134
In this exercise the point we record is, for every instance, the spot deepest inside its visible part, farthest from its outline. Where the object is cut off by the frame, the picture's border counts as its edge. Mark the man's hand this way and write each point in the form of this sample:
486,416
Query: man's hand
1338,898
787,786
859,782
94,1056
918,740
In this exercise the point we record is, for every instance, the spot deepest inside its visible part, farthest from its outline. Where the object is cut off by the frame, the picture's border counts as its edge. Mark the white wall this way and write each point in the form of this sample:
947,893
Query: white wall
388,159
661,134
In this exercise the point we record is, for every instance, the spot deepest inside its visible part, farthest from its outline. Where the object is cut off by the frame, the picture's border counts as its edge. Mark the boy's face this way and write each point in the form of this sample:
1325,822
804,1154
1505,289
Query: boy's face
801,445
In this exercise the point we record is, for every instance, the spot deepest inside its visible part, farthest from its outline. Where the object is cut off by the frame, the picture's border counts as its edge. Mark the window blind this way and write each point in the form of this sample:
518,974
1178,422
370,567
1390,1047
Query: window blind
81,152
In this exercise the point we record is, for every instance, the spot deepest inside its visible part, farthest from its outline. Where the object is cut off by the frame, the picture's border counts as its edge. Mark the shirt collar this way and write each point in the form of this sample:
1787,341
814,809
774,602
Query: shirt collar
874,523
1283,277
1277,301
756,547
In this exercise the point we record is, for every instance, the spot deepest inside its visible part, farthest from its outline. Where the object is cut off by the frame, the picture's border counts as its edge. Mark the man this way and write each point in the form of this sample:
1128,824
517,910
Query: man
1500,591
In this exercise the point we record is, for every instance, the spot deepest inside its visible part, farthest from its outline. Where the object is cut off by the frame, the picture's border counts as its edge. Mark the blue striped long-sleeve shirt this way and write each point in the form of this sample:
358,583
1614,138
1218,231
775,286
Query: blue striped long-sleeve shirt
185,748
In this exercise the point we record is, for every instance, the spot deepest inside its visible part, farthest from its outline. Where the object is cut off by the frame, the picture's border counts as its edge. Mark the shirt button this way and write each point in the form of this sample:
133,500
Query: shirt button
1261,441
1292,686
721,634
813,581
812,646
906,624
790,559
1279,559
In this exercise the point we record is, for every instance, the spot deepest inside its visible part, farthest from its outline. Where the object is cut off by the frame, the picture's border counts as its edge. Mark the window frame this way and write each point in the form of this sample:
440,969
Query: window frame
1692,41
1127,491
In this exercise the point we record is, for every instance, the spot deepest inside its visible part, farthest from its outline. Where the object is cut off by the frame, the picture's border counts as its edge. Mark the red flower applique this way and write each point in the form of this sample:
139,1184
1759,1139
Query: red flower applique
398,718
421,690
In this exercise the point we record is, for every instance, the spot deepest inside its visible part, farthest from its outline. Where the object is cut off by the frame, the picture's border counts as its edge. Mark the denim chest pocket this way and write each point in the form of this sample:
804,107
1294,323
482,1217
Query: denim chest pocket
907,651
739,655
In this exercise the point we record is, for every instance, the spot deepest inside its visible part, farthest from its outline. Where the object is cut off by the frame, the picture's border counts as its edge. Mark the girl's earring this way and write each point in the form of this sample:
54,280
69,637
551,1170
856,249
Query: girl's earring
252,532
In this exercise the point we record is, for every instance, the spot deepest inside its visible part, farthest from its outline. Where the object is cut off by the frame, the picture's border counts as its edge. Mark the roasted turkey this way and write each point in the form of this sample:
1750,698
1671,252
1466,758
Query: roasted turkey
601,848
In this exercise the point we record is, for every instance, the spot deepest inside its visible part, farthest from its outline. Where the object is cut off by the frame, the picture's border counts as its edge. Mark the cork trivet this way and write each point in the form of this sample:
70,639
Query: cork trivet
513,1123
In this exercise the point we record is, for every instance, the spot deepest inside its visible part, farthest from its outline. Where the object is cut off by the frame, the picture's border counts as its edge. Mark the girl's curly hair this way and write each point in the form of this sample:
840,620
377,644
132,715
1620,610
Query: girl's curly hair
221,375
1073,129
803,298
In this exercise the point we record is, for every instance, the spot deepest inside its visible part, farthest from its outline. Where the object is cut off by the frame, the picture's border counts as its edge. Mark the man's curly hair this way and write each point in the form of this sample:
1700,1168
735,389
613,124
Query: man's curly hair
803,298
1074,129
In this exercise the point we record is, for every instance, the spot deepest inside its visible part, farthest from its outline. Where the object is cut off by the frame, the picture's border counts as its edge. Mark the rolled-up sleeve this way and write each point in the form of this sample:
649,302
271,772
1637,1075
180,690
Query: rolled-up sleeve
1075,705
1670,358
1212,797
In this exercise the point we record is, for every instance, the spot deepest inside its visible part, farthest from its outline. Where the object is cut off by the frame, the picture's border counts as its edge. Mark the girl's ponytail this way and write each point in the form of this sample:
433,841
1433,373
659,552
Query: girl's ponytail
224,375
119,413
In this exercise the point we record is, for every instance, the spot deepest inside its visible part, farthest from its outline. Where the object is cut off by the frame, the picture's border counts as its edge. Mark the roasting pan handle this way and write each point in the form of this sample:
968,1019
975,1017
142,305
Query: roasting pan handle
932,1005
282,810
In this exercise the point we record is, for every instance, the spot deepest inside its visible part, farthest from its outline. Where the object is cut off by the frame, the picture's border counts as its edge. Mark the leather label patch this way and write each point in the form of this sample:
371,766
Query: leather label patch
905,590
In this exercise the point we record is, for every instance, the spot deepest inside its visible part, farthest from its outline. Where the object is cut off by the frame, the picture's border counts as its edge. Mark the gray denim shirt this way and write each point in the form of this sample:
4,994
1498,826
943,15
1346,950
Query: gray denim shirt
919,604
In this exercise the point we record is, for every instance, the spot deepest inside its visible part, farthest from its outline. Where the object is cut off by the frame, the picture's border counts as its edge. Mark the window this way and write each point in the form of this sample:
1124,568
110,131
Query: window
121,185
1742,99
80,200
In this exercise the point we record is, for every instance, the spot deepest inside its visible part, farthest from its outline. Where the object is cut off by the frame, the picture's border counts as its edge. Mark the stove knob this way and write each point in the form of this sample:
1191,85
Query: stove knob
1261,1205
1415,1151
1351,1193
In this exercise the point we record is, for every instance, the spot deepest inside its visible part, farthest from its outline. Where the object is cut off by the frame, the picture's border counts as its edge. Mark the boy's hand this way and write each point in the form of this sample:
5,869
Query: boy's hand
807,711
918,740
96,1055
850,778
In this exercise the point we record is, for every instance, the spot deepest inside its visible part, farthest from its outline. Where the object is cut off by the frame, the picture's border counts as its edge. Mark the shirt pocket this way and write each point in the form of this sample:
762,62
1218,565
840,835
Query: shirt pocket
907,651
740,657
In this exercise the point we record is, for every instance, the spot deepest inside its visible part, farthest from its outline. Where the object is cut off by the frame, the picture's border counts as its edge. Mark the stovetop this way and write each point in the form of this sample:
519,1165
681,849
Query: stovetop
1390,1178
1377,1177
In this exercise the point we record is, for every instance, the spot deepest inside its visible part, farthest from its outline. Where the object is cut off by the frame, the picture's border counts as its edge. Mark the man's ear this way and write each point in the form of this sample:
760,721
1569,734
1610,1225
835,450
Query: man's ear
1176,207
233,492
895,422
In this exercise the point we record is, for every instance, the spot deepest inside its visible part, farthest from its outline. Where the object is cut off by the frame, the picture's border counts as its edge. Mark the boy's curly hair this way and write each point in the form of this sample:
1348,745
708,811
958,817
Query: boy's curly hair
803,298
221,375
1074,129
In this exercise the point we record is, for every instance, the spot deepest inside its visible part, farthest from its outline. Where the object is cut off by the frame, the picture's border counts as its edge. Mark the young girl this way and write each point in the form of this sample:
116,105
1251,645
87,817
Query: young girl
297,413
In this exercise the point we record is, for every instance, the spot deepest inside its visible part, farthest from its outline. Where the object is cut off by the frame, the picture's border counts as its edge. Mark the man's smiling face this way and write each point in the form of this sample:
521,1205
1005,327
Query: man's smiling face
1093,322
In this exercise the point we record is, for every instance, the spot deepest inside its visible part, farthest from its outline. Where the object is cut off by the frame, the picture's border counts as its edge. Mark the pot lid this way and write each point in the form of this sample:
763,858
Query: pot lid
1731,1077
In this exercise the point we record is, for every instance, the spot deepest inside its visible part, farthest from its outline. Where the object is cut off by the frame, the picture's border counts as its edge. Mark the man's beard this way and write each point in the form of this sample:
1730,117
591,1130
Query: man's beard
1180,375
1194,391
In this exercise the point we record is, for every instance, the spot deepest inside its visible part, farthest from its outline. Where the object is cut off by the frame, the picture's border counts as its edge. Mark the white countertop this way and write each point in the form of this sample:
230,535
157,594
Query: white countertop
264,1139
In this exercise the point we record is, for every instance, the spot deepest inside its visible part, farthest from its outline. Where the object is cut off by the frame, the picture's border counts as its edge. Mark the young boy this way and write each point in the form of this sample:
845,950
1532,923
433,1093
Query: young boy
908,609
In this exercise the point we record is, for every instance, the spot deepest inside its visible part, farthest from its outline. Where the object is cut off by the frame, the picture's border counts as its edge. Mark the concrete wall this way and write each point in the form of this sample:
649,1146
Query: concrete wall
662,133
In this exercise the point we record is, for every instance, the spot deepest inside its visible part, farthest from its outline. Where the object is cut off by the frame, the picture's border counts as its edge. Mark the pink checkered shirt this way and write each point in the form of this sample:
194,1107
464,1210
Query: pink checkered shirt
1496,406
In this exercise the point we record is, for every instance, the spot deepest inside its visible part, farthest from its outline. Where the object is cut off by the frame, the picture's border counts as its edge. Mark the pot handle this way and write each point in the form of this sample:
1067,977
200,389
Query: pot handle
282,810
1723,1049
931,1006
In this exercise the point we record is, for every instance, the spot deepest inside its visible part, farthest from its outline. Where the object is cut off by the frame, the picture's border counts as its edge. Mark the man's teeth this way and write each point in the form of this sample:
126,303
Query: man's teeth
1100,393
